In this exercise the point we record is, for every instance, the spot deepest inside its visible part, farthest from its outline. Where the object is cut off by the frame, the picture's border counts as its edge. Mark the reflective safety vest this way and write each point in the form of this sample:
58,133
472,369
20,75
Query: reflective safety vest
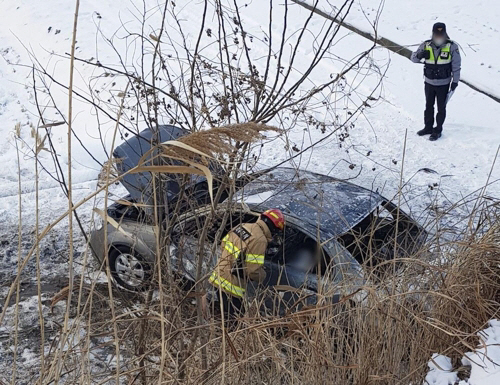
242,257
438,67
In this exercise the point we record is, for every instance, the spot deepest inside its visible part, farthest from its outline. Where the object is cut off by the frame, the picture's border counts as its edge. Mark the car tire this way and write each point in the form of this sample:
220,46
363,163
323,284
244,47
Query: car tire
129,269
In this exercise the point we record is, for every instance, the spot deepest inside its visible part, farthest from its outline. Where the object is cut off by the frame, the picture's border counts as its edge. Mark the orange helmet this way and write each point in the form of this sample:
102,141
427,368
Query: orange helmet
276,217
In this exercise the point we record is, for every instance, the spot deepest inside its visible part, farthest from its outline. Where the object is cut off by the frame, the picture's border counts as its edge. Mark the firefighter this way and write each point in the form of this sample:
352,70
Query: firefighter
442,64
242,258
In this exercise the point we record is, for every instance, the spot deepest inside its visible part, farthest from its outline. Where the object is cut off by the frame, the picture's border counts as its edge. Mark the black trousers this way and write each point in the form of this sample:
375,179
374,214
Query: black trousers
433,93
233,306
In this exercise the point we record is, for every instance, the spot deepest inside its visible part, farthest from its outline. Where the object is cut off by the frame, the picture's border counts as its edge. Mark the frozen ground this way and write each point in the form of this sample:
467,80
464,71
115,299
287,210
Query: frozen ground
460,162
474,26
484,362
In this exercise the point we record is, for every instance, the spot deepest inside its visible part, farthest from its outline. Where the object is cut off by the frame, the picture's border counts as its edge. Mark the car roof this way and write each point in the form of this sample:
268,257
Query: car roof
314,199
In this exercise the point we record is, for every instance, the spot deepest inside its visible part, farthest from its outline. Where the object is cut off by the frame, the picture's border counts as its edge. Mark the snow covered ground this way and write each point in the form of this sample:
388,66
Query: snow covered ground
484,362
462,160
474,26
471,134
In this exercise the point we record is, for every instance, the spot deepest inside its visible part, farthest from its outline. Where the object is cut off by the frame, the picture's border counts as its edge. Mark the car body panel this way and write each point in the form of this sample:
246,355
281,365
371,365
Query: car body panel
130,152
137,236
318,206
318,200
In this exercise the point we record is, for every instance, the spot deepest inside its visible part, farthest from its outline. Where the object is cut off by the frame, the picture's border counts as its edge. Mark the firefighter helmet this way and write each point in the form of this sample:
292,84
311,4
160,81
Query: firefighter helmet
276,217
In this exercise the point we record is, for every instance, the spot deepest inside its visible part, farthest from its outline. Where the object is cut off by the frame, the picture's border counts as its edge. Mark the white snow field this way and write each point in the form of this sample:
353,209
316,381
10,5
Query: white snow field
461,161
472,25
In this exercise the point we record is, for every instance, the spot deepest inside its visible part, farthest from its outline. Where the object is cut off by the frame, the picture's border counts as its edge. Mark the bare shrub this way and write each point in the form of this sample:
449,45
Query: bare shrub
383,333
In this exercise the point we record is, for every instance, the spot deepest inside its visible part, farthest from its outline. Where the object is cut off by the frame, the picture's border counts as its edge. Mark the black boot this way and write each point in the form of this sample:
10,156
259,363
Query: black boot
435,136
425,131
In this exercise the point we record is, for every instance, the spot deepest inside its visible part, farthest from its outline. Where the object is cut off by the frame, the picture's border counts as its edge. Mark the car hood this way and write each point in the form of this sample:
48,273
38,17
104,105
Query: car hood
316,200
130,152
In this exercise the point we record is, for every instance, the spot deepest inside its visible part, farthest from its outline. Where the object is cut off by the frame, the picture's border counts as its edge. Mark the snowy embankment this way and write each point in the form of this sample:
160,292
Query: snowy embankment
472,122
372,155
474,27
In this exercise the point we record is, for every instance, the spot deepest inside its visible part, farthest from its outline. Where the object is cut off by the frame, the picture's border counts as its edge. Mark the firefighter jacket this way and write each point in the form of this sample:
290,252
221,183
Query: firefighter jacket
242,257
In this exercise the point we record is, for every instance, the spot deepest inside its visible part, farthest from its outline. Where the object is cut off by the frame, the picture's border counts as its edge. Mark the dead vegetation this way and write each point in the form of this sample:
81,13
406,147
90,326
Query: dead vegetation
217,143
385,333
387,338
471,288
435,300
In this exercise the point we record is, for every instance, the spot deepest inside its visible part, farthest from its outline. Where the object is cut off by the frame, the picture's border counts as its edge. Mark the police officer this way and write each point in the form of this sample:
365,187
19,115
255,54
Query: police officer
242,258
442,62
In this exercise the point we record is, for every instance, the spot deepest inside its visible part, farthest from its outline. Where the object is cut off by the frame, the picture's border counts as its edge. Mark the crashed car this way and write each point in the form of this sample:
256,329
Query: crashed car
334,229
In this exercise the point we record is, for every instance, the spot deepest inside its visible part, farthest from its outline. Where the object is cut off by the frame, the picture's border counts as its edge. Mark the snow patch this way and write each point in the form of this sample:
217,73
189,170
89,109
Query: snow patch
484,362
259,198
440,371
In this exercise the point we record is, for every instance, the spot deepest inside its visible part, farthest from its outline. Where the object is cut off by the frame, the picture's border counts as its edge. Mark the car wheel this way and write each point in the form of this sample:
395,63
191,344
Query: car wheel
129,269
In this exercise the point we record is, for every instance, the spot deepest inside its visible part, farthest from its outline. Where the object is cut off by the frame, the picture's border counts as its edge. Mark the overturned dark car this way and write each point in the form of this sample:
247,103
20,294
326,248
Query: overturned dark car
334,229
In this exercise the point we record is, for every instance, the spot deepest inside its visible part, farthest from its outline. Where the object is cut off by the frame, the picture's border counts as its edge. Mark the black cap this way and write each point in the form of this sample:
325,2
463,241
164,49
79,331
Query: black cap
439,29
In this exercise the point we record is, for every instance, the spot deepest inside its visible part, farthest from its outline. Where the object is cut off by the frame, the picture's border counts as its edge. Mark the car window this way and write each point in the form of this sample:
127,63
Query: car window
299,251
193,222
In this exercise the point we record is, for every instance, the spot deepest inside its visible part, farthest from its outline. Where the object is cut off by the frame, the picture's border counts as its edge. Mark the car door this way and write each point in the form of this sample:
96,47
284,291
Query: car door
289,284
285,289
190,225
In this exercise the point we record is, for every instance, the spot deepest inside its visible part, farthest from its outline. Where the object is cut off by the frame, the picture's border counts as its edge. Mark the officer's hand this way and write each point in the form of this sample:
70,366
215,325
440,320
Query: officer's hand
454,86
424,55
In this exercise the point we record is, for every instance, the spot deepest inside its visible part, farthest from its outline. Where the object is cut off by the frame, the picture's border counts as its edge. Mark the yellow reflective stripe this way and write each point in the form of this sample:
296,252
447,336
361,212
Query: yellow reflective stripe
226,285
446,48
255,258
233,246
229,246
432,59
232,251
274,215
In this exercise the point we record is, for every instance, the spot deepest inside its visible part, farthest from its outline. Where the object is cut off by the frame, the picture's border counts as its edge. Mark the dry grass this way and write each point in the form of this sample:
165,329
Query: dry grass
108,171
433,302
471,289
217,143
388,339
